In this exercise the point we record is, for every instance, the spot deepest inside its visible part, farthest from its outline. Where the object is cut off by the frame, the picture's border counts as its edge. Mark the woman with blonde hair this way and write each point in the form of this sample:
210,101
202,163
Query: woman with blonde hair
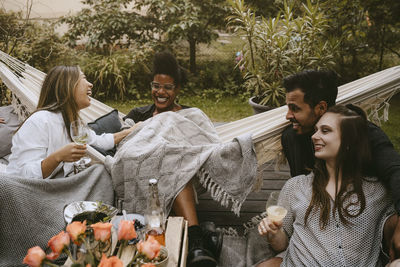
42,146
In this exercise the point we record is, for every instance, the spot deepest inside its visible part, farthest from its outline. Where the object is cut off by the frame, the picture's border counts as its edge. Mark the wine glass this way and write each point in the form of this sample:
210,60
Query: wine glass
80,135
275,213
272,199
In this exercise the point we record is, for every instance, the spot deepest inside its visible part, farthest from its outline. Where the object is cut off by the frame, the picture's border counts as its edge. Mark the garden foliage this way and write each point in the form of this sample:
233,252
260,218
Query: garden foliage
114,41
279,46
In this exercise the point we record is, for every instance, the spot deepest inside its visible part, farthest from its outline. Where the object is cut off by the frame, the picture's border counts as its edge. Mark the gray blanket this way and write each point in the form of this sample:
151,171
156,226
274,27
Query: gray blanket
31,210
175,147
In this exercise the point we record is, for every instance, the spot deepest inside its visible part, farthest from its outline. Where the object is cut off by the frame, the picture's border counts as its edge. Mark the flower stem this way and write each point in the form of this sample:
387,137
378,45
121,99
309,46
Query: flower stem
88,249
134,258
121,247
70,255
48,263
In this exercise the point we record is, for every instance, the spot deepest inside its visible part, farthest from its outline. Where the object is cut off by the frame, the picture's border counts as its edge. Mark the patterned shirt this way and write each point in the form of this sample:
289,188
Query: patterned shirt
355,244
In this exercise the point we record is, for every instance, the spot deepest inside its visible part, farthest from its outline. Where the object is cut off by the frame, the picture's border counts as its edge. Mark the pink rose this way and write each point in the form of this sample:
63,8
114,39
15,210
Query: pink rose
75,229
57,243
102,231
34,257
110,262
126,230
151,247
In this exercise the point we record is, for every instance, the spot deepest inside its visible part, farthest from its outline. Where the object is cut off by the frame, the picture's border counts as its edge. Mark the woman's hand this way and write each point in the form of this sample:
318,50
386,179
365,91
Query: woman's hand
133,127
122,134
395,263
269,228
2,120
273,230
70,153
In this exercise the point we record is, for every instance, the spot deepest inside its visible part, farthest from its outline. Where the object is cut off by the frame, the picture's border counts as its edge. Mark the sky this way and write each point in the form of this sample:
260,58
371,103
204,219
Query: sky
43,9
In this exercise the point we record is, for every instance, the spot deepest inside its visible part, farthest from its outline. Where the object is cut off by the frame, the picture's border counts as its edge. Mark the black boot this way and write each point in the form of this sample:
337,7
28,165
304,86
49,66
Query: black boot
198,255
212,238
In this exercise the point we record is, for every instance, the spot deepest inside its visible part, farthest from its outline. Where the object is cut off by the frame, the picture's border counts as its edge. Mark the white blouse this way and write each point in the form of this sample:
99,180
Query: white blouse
42,134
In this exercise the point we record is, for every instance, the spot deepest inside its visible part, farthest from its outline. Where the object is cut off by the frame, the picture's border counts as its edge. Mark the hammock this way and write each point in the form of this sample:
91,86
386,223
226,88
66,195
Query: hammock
372,93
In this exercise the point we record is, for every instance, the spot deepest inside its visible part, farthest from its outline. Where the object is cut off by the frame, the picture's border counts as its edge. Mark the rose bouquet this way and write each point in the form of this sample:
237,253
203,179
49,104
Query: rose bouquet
94,246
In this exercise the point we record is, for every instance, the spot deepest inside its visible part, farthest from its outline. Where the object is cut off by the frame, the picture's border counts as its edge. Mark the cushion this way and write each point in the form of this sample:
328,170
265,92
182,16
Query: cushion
7,129
110,152
108,123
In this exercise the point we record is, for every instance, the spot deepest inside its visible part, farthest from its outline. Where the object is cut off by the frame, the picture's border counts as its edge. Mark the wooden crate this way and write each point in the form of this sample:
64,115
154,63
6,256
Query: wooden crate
176,241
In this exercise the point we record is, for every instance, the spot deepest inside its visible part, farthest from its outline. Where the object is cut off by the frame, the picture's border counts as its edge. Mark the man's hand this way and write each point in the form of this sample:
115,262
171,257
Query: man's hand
394,250
2,120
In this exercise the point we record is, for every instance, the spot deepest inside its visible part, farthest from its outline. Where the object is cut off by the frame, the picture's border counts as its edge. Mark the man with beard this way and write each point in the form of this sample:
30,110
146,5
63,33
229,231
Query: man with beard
308,96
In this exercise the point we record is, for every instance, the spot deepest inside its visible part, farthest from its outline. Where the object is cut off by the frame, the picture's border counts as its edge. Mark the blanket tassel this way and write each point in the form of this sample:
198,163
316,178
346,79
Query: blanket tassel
217,193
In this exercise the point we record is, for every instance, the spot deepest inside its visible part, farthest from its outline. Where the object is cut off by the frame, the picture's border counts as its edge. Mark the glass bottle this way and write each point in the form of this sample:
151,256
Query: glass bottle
154,215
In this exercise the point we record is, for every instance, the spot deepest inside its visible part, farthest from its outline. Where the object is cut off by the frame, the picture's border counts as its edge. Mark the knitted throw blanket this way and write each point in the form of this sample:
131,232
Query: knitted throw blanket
31,210
175,147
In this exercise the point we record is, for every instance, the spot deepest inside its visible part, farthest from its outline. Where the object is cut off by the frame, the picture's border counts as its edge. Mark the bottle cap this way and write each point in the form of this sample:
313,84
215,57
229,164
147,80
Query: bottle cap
153,181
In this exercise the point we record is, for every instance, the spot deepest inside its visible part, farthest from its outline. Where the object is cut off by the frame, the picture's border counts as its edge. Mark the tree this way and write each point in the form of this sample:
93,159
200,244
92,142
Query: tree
265,8
383,18
11,30
108,23
367,30
43,48
347,24
195,21
104,24
30,41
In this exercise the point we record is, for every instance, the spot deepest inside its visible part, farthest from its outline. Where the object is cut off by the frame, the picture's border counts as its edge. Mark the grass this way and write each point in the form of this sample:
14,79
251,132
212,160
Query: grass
233,108
226,110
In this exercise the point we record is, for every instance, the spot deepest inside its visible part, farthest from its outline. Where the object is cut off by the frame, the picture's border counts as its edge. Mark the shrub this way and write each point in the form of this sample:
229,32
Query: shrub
215,79
108,74
44,49
123,73
279,46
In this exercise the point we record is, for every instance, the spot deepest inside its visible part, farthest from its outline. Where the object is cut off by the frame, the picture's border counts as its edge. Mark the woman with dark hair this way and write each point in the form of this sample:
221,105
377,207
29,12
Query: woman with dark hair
168,78
336,216
42,147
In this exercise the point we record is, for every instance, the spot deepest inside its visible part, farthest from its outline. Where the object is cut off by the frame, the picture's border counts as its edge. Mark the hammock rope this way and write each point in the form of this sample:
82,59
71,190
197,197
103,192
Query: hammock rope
372,93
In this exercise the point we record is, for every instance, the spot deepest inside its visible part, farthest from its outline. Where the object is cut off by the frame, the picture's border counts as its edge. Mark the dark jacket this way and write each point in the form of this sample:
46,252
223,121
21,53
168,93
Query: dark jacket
299,153
143,113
